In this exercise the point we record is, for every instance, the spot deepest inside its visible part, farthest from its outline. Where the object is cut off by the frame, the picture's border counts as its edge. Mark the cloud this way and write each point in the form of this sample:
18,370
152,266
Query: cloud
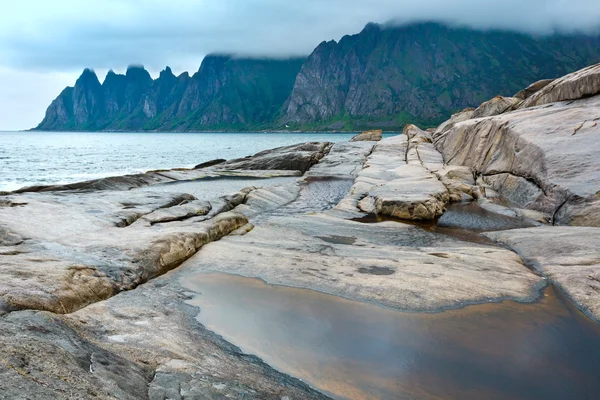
24,96
72,34
45,44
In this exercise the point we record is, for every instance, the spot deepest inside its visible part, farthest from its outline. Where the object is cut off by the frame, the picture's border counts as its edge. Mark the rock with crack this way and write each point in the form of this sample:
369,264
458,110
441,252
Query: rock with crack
495,106
368,136
266,199
459,181
141,344
540,158
577,85
568,256
533,89
299,157
389,185
77,248
344,161
177,213
388,263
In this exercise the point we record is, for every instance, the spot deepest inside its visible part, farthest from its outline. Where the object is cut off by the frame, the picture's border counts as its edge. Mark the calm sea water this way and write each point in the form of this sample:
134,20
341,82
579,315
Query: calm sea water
43,158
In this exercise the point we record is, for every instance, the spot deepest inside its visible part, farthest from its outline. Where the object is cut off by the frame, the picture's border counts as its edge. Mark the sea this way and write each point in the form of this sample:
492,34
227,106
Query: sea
45,158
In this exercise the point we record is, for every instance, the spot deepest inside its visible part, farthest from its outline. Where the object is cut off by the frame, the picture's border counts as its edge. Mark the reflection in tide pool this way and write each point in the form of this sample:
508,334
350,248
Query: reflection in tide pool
348,349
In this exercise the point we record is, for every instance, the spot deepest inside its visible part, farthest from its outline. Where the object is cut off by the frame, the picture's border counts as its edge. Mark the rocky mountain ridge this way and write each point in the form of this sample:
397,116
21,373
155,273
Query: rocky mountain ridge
382,77
226,92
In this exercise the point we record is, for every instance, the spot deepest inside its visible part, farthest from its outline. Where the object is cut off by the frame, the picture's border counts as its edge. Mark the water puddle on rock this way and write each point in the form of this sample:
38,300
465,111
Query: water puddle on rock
463,221
348,349
316,195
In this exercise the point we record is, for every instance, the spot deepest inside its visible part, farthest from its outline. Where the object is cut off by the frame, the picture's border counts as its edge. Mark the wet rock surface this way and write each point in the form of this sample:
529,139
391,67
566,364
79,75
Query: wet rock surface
568,256
390,185
429,271
143,344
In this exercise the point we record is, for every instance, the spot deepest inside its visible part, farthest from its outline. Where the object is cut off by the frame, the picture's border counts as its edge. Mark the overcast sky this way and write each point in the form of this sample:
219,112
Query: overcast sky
44,44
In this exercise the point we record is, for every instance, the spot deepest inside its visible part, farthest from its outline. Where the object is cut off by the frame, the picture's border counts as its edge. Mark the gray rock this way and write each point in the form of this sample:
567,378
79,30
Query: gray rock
542,158
368,136
298,157
495,106
344,161
79,248
568,256
579,84
390,185
532,89
210,163
423,271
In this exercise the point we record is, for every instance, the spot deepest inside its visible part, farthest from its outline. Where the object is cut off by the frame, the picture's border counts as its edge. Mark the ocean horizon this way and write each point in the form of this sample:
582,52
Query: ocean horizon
29,158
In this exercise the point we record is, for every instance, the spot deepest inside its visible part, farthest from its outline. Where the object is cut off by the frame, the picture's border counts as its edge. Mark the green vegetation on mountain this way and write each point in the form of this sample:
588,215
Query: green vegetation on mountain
383,77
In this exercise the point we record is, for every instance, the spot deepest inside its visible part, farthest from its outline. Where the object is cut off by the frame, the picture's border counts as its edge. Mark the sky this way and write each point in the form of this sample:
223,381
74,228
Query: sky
44,45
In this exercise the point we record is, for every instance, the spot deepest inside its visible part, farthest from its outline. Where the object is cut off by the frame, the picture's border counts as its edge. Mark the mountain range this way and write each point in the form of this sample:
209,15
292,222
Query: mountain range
384,77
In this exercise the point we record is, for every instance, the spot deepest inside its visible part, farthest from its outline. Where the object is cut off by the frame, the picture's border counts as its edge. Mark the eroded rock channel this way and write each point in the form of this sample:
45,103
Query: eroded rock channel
422,265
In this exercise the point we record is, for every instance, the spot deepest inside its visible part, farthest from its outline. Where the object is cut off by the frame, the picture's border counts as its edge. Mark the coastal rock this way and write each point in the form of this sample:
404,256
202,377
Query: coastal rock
392,183
568,256
344,161
389,263
541,158
495,106
454,119
79,248
532,89
210,163
180,212
299,157
372,136
577,85
142,344
413,194
44,357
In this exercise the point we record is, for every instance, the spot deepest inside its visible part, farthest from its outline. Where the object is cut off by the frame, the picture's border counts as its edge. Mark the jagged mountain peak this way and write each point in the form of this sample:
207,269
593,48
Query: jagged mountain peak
138,72
167,72
88,76
382,77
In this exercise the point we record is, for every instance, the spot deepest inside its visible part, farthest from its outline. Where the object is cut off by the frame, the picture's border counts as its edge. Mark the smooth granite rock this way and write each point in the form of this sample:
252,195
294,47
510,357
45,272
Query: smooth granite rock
344,161
79,248
577,85
568,256
388,263
389,185
368,136
495,106
299,157
541,158
533,88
